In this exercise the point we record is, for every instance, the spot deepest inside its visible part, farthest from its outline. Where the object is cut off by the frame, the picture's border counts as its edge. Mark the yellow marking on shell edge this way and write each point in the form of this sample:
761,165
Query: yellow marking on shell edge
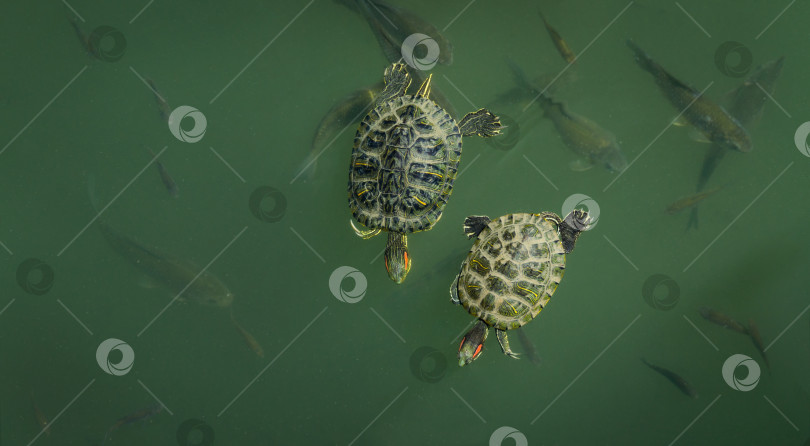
527,290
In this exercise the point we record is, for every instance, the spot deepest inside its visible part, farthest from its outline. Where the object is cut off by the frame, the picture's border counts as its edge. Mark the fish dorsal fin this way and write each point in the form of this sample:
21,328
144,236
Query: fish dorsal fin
424,89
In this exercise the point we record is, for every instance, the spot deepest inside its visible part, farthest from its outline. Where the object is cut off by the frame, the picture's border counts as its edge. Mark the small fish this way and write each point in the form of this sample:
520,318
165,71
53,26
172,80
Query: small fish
167,179
347,113
42,421
716,124
562,46
692,200
753,331
675,379
84,39
722,320
528,348
401,24
584,137
163,106
134,417
249,339
173,274
746,103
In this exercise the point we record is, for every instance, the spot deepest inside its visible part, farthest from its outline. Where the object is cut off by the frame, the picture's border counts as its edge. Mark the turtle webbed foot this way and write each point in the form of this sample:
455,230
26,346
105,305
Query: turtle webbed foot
482,123
504,341
396,79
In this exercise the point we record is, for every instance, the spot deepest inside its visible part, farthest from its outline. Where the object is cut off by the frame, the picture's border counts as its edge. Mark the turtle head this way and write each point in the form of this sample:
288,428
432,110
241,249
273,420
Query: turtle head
574,223
472,345
397,260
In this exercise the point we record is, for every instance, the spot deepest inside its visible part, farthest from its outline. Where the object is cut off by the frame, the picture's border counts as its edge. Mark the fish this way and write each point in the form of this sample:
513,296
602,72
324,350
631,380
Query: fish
42,420
167,179
249,339
180,277
745,103
561,45
584,137
753,331
164,111
722,320
714,122
84,39
674,378
344,114
690,201
528,348
401,23
134,417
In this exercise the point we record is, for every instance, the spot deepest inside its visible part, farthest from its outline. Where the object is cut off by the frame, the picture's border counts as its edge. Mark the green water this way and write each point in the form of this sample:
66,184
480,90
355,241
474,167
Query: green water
382,371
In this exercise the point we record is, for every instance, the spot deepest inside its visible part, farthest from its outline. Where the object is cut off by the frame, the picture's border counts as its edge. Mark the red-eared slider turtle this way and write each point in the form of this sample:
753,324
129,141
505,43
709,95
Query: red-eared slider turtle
512,270
405,158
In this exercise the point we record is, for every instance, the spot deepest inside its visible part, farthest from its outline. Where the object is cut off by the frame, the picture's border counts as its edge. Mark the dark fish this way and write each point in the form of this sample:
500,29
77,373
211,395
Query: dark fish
163,106
745,103
722,320
717,125
753,331
692,200
528,347
344,114
84,39
249,339
401,23
559,42
174,274
675,379
42,420
134,417
167,179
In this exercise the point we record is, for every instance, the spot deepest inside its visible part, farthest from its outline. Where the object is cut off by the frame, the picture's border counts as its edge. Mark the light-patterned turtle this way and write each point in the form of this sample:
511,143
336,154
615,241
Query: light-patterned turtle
512,270
405,158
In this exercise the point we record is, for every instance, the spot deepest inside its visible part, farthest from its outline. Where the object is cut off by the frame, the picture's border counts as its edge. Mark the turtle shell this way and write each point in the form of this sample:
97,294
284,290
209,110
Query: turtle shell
405,158
512,270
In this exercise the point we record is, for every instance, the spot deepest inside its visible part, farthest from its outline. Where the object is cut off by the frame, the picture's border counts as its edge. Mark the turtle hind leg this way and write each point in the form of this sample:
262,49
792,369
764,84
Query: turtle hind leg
364,233
504,341
396,80
474,224
482,123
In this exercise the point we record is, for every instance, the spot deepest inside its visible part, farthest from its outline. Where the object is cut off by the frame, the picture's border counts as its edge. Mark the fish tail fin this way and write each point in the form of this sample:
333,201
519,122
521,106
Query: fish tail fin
642,58
518,75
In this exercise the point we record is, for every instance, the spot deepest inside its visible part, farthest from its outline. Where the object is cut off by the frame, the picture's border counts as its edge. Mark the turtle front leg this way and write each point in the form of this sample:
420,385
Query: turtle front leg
482,123
474,224
505,344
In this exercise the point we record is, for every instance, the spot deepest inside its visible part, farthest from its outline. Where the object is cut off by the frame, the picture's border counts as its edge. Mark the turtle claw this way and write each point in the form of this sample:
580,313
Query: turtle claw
364,233
482,123
396,80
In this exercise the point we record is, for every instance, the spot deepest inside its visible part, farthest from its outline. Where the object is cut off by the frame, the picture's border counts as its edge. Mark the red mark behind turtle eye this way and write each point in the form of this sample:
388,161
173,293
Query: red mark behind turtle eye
462,343
478,350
